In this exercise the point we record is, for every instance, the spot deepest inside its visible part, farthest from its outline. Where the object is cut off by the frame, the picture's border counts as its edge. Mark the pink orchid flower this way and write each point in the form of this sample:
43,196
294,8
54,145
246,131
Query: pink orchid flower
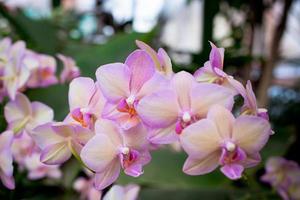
6,160
42,72
161,59
86,189
58,141
212,71
169,111
250,105
86,102
15,73
112,148
70,69
223,140
118,192
284,176
22,147
37,169
124,85
23,115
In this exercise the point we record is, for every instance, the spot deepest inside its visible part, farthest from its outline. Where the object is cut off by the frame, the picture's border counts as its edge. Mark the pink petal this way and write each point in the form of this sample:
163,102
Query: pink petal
17,109
44,136
159,109
8,181
200,139
223,119
252,160
127,122
205,95
55,154
150,51
165,62
136,137
99,152
251,133
131,192
116,192
155,83
216,56
196,166
80,92
110,129
205,74
250,101
108,176
232,171
182,83
142,69
165,135
114,81
41,114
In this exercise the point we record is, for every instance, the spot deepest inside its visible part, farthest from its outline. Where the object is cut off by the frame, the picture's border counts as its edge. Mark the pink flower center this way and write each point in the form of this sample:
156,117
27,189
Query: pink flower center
185,120
231,153
128,157
128,106
84,118
45,72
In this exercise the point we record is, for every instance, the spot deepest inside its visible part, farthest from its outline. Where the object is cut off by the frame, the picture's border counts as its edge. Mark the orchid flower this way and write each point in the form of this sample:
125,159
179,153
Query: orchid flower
43,72
22,147
112,148
86,189
128,192
38,170
58,141
161,59
86,102
70,69
22,115
212,71
169,111
124,85
234,144
284,176
15,73
250,105
6,160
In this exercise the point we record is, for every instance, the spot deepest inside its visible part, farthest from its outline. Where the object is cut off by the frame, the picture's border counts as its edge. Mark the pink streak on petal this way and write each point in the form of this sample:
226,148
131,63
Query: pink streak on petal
142,69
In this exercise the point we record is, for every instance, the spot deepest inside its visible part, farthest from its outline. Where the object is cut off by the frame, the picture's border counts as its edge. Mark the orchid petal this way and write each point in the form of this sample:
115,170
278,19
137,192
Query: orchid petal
41,114
159,109
205,95
232,171
80,92
200,139
17,109
114,81
142,69
223,120
196,166
99,152
251,133
108,176
182,83
110,129
55,154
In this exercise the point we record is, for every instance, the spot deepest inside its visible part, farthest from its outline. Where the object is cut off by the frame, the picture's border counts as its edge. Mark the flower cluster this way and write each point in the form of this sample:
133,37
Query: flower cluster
135,107
21,68
284,176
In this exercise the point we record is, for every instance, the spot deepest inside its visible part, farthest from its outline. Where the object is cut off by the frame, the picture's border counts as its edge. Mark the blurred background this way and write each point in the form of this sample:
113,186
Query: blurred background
262,42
